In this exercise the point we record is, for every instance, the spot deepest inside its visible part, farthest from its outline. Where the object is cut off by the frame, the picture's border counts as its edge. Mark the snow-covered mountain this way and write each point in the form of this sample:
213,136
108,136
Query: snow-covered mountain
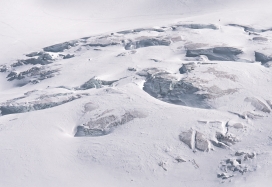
136,93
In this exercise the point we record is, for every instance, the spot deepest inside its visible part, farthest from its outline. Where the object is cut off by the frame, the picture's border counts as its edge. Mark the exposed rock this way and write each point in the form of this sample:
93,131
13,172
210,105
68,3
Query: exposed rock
239,115
68,56
224,176
3,68
198,26
187,67
216,54
159,85
250,29
43,102
42,59
18,63
239,164
60,47
147,42
227,139
148,29
94,83
125,32
245,156
268,64
187,138
234,165
126,53
32,61
121,54
201,143
162,85
260,57
33,54
260,39
104,125
102,43
162,164
155,60
36,73
131,69
197,140
14,75
165,87
179,159
269,103
140,30
259,105
252,115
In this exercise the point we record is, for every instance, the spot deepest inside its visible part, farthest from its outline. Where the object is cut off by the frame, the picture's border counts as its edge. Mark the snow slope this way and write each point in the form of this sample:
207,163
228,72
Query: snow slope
126,93
32,24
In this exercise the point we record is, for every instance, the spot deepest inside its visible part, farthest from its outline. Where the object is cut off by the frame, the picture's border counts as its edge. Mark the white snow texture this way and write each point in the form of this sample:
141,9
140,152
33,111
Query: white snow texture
135,93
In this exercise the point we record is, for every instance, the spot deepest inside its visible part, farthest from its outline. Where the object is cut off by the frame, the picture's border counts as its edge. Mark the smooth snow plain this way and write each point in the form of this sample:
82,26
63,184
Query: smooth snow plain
135,93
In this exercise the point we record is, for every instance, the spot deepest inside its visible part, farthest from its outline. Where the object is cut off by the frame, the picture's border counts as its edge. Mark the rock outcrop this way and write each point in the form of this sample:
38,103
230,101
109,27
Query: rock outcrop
216,54
147,42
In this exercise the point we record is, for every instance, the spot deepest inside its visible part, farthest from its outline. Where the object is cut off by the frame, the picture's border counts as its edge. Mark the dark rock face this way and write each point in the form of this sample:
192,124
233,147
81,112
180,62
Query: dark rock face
227,139
95,83
269,103
14,75
37,73
250,29
224,176
60,47
68,56
260,57
40,104
35,61
140,30
163,86
131,69
198,26
186,68
103,44
245,156
105,125
92,83
42,59
147,43
246,28
239,164
217,53
260,39
32,54
3,68
148,29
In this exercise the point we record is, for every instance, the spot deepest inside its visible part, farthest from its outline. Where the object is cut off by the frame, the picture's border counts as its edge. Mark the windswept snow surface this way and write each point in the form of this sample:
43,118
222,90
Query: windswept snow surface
135,93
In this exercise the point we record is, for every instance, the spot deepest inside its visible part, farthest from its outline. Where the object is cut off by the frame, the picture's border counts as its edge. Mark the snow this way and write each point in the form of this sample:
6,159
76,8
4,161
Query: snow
116,76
